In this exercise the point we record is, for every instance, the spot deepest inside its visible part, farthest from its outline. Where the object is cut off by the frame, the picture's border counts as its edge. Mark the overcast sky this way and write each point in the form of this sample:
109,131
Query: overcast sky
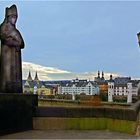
80,36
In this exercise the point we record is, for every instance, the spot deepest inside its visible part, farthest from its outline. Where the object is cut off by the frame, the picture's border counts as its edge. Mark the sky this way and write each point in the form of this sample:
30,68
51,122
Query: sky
80,36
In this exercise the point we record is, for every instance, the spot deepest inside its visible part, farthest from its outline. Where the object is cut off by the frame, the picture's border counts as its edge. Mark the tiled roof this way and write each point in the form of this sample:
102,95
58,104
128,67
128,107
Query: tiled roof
122,80
120,85
80,84
32,84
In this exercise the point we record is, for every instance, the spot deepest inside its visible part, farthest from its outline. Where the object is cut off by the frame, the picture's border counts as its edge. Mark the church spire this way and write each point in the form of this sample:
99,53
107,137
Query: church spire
98,74
102,74
36,77
29,76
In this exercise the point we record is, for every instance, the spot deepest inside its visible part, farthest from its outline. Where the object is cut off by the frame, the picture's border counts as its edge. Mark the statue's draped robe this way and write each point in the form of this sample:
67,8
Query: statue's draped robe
10,63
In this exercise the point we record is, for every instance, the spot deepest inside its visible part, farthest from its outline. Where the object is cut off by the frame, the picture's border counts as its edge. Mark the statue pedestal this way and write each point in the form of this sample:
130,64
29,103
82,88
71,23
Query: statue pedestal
16,112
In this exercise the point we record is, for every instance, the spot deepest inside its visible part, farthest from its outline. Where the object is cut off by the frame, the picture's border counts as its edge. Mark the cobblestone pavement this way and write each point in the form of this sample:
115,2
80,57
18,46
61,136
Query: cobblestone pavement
69,134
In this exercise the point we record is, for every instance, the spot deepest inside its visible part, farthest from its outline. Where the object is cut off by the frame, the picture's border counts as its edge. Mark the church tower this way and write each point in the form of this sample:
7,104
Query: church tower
98,74
36,78
102,75
29,77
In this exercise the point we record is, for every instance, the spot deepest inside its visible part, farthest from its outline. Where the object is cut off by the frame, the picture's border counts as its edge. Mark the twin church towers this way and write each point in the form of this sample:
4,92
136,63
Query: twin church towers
30,77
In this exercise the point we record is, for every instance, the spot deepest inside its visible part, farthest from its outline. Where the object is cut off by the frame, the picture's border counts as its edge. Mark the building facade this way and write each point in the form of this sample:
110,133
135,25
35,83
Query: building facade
123,86
102,83
36,86
79,87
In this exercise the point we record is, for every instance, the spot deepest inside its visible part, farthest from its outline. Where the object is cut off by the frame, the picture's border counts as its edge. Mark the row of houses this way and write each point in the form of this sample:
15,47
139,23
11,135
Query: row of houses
117,86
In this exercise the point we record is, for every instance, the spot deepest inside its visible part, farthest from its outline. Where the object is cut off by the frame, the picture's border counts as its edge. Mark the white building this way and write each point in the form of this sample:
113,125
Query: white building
123,86
121,89
79,86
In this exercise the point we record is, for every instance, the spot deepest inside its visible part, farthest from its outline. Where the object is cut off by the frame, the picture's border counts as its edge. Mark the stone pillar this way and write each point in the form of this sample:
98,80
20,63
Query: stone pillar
110,91
129,91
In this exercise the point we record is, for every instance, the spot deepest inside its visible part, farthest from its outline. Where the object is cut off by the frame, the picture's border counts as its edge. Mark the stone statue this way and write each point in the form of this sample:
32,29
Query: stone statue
10,59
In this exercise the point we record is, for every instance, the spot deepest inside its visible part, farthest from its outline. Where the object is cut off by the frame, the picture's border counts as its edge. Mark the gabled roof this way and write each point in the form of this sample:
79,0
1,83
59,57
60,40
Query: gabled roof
80,84
32,84
122,80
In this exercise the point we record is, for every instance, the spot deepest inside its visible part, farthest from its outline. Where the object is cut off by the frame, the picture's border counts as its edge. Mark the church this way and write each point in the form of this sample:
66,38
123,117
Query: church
103,84
35,86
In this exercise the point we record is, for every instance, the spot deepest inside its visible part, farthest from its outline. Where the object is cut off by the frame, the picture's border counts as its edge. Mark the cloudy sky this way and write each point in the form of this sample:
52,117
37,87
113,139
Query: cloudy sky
79,37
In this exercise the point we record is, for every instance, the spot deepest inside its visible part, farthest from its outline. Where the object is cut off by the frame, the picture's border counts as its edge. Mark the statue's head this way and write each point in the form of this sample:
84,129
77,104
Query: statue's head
11,14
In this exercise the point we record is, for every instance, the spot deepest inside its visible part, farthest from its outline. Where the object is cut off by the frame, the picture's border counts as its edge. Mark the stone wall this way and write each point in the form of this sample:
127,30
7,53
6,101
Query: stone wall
78,112
56,123
16,112
122,119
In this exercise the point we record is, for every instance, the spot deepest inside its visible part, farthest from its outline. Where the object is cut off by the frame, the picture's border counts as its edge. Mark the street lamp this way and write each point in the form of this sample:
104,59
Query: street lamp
138,35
